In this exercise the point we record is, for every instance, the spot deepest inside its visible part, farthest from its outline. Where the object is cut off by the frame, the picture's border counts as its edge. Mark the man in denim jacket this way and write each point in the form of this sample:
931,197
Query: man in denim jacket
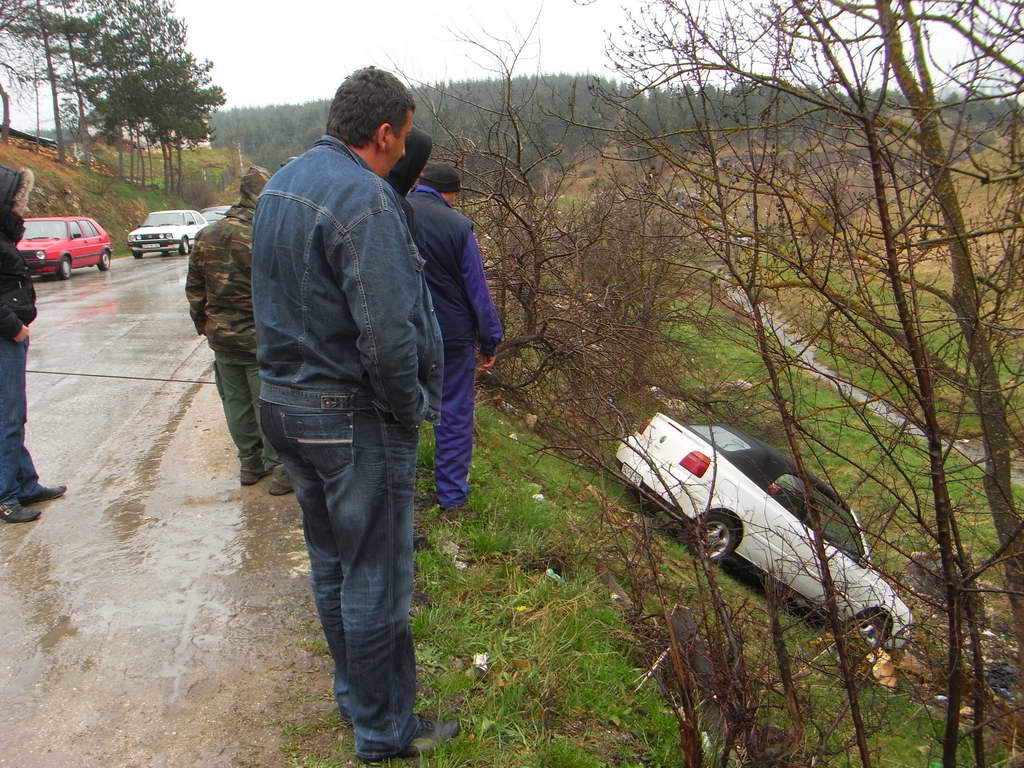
350,364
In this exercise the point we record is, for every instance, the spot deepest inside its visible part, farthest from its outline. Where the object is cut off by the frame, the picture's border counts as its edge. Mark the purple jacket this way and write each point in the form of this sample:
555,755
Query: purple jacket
455,273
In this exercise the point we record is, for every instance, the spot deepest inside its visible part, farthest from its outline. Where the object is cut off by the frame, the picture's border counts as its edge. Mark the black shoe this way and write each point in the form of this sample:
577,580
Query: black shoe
419,542
13,512
453,511
44,494
429,735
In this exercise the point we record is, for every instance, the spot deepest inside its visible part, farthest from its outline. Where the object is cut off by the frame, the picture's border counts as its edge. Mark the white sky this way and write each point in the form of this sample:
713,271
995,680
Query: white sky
273,52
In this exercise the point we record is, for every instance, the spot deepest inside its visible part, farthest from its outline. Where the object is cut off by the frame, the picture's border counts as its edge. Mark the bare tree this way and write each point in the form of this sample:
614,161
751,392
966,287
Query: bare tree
583,280
840,193
13,14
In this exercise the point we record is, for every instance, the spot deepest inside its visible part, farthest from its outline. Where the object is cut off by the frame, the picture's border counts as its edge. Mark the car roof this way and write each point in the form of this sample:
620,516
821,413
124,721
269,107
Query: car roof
761,462
176,210
60,218
216,208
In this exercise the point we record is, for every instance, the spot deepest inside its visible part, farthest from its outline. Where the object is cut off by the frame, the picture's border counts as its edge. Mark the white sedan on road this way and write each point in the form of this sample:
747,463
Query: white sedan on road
166,232
751,504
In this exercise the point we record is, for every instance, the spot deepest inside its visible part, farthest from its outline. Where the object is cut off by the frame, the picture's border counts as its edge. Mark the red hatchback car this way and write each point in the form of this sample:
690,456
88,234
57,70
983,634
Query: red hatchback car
57,244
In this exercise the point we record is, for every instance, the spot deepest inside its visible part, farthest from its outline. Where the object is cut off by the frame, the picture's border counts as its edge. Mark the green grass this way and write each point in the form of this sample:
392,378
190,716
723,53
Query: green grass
561,685
559,689
941,334
846,453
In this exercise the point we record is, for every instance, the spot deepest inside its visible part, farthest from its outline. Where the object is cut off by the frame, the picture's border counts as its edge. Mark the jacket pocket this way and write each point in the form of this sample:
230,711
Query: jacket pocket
19,302
324,439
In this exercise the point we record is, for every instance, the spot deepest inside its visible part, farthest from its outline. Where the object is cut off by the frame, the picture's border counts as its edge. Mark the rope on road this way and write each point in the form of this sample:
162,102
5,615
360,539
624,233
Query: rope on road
127,378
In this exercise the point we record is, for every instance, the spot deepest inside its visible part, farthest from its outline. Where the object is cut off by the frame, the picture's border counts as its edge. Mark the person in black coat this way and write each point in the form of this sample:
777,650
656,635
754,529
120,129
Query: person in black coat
19,482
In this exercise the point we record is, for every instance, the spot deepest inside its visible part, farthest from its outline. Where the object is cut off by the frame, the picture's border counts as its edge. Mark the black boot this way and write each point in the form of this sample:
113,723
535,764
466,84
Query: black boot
430,734
45,493
13,512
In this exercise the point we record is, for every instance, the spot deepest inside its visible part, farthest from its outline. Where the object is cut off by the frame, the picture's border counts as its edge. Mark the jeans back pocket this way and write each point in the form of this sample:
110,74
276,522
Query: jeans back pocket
323,438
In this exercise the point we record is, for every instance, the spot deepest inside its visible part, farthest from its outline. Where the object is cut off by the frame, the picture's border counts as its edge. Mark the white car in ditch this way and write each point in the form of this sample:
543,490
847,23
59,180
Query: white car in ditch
751,503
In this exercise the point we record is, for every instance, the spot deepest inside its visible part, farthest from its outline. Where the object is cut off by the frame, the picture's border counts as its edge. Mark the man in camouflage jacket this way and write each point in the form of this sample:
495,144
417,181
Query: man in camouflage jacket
219,290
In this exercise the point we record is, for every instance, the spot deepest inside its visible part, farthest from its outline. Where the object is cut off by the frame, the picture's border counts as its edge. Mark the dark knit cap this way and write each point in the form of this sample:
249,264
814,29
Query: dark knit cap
442,177
417,151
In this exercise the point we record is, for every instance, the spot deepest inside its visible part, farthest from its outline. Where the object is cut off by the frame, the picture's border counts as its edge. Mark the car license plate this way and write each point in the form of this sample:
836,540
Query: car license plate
150,245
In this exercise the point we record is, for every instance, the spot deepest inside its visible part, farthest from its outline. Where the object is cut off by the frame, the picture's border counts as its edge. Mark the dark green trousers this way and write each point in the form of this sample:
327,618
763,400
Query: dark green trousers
238,385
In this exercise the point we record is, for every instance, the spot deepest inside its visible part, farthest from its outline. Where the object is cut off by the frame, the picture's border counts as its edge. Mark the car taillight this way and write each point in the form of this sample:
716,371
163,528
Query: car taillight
645,425
696,463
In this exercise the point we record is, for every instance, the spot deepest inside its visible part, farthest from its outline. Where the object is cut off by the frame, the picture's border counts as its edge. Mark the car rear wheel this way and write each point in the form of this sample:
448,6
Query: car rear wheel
63,269
721,532
873,627
183,248
104,263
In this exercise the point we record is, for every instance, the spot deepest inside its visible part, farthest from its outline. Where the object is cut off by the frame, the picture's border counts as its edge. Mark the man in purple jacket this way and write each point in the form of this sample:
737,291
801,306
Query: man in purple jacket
466,314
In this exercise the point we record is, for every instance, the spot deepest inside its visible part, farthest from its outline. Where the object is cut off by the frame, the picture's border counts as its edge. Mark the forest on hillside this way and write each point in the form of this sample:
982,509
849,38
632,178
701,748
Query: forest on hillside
567,114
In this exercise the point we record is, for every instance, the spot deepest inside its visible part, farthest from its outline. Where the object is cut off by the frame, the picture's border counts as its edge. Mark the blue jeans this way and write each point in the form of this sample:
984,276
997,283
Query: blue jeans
353,474
18,475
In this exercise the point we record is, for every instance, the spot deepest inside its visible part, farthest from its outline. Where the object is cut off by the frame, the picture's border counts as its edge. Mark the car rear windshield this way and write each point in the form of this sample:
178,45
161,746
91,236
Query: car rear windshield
721,438
38,230
838,524
163,219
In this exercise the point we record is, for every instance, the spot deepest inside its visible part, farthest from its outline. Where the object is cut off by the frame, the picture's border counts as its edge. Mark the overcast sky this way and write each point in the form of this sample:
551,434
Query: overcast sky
277,52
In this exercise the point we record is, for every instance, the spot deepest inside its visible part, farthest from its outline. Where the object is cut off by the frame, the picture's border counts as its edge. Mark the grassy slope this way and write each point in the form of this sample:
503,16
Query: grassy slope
562,687
65,190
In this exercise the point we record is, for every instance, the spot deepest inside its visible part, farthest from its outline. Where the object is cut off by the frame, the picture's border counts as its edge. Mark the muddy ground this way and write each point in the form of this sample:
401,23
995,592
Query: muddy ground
159,614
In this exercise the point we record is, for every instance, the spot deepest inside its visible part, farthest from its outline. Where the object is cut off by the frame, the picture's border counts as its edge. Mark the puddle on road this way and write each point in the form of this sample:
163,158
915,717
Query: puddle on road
65,627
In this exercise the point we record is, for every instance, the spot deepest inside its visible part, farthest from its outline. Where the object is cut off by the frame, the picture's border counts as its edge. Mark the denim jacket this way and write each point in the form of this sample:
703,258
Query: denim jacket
339,296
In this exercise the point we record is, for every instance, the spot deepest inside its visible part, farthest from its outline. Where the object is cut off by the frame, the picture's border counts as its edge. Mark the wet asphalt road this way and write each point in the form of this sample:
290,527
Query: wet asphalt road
147,617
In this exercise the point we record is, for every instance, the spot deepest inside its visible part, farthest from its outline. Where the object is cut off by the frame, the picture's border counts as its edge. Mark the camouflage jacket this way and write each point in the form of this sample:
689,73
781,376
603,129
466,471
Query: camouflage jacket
219,284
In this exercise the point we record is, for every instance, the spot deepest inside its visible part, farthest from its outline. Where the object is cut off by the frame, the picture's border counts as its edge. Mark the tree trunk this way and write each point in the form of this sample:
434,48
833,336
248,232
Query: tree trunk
120,151
177,180
83,129
51,75
986,389
5,127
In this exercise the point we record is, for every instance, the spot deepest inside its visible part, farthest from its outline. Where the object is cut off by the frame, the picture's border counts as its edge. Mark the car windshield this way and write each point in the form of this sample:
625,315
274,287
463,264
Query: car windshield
838,524
39,230
721,438
163,219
